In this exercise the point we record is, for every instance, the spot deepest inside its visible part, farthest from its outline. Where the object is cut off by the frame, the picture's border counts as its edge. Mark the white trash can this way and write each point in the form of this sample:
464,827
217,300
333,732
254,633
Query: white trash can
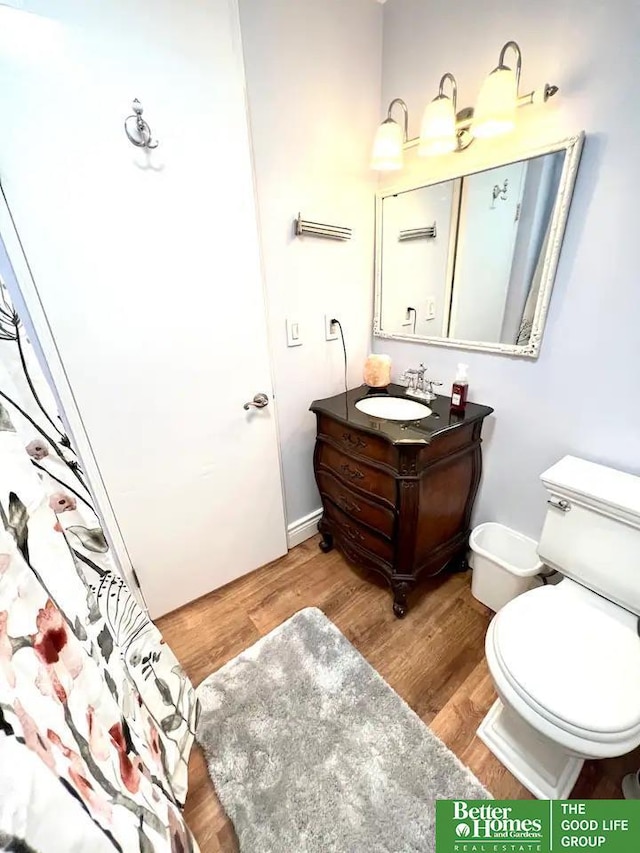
504,564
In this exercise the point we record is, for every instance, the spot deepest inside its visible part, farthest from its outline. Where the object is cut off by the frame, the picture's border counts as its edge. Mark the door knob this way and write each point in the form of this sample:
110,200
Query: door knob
258,402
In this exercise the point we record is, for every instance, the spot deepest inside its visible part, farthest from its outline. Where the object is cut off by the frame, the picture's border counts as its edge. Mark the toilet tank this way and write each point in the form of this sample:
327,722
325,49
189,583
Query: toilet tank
591,531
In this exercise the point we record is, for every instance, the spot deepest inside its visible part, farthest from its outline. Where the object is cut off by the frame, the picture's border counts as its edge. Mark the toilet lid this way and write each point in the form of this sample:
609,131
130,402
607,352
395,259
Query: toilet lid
572,659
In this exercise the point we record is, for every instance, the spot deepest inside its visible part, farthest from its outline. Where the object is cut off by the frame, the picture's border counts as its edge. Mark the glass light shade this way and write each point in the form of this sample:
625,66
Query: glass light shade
438,129
495,110
388,147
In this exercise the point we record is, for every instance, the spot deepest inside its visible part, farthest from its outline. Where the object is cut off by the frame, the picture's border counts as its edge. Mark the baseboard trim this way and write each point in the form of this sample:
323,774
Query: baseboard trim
304,528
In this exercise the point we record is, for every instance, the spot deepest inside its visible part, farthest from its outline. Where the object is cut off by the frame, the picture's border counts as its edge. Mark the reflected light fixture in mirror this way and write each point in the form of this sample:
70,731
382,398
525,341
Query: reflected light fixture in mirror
438,130
388,146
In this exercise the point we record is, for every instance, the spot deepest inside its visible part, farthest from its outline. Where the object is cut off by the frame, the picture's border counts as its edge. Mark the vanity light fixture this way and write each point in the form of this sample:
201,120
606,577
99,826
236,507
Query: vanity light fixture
438,130
388,146
445,129
495,111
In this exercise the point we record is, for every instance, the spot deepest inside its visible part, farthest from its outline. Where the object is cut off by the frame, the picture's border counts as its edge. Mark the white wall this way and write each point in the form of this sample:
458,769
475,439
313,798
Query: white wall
136,260
581,395
313,79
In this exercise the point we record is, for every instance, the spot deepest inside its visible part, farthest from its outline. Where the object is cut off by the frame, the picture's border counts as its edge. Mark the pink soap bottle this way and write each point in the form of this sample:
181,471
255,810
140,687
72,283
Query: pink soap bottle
460,389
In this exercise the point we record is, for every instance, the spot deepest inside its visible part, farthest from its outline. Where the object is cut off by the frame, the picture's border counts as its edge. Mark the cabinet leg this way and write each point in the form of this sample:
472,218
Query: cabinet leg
326,543
400,592
459,563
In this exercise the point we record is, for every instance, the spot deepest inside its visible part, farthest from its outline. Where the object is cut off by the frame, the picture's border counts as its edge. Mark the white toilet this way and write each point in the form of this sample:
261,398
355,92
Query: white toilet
565,659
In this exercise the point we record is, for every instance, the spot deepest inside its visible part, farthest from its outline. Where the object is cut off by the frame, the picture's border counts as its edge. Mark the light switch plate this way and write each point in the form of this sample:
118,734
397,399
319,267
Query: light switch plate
431,308
294,335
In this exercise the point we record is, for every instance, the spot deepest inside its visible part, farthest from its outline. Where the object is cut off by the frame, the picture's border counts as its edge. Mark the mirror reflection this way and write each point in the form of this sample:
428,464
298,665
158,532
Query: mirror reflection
464,259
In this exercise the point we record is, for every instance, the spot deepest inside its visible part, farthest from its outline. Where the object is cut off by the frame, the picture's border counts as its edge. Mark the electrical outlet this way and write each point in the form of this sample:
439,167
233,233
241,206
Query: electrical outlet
331,330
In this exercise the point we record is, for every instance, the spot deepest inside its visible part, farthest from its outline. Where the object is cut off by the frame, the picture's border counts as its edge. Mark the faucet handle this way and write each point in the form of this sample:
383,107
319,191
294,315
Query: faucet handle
429,386
413,377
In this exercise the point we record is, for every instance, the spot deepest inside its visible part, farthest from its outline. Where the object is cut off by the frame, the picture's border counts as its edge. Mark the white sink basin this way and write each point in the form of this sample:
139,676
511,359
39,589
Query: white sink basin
393,408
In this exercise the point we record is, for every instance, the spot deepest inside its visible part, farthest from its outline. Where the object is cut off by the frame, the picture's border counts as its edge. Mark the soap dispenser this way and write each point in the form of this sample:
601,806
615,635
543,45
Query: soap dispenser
460,389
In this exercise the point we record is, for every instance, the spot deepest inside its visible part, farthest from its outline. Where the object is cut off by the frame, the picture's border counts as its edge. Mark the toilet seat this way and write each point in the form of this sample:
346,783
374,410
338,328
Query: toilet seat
573,664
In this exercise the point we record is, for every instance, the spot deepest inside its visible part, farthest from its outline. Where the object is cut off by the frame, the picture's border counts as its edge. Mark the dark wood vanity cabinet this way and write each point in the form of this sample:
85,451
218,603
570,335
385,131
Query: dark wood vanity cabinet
397,497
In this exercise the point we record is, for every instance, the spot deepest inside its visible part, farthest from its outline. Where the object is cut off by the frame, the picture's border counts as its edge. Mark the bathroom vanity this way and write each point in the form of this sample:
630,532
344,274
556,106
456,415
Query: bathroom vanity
397,496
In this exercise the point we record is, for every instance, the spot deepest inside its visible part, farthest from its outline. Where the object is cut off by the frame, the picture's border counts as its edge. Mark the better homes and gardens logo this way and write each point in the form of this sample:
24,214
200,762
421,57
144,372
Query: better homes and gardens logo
537,826
490,822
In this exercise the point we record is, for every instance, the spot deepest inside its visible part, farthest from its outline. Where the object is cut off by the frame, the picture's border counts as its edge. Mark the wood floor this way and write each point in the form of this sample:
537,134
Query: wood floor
434,658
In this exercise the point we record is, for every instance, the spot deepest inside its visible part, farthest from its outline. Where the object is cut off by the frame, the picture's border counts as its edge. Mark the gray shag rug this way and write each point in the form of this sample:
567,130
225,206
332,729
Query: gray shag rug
310,750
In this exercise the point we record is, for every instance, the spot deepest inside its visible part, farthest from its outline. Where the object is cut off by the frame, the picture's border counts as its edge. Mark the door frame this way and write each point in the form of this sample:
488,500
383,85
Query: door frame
264,284
35,321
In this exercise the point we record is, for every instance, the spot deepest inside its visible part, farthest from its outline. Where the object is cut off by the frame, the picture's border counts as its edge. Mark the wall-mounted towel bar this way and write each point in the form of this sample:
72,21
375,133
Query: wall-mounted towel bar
416,233
317,229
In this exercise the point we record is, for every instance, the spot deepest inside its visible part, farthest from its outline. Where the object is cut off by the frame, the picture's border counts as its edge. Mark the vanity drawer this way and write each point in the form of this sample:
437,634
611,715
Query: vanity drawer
447,444
358,535
355,473
356,506
352,440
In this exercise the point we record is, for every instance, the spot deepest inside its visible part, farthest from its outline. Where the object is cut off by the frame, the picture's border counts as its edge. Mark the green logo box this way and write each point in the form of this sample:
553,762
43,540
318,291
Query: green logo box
537,826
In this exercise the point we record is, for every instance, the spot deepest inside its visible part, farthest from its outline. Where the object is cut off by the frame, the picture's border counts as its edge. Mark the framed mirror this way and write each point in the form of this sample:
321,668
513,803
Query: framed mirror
470,261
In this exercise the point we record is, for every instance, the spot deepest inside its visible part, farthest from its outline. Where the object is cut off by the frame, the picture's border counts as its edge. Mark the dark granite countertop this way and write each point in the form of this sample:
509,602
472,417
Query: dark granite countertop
342,408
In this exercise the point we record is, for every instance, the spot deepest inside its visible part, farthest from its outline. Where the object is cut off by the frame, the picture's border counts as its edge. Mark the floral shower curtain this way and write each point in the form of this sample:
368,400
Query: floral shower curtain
96,716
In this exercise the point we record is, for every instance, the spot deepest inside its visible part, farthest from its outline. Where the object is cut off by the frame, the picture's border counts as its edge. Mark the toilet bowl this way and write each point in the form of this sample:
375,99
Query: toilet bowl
565,659
567,671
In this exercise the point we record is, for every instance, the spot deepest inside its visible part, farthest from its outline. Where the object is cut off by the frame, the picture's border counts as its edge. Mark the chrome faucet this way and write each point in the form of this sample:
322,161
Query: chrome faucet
417,384
415,377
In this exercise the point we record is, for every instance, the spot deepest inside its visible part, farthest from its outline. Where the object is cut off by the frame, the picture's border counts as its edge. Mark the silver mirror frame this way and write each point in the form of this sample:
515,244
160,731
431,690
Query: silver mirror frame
572,146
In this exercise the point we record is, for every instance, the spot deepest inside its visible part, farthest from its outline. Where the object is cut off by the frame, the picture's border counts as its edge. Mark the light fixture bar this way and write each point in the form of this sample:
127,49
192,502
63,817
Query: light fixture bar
548,91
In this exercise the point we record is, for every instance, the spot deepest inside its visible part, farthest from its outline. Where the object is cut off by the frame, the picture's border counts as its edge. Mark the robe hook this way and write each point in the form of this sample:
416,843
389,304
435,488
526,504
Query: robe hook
141,135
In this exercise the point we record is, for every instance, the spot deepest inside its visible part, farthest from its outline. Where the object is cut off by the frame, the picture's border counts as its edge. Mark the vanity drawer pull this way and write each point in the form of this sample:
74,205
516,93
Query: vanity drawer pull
347,505
352,533
363,535
353,442
558,503
352,473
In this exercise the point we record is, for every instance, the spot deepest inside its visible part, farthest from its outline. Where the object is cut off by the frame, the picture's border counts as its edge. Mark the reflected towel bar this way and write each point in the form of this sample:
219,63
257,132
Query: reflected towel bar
416,233
317,229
